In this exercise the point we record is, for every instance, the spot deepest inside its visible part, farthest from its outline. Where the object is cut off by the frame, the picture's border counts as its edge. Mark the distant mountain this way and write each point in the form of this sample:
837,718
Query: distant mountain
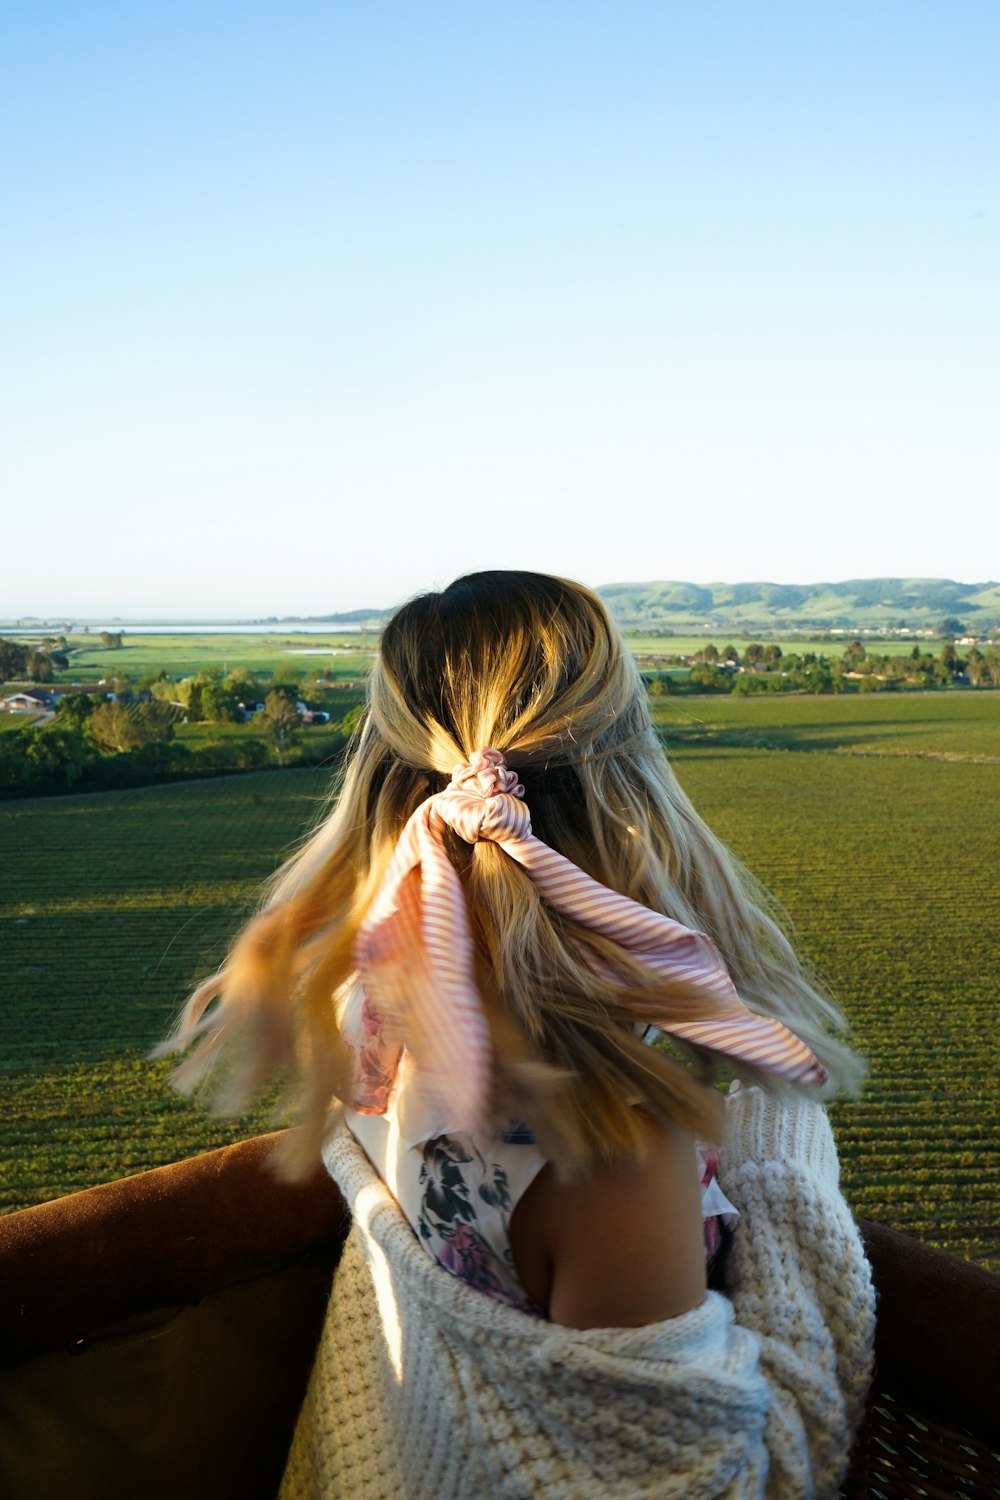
346,617
856,604
355,616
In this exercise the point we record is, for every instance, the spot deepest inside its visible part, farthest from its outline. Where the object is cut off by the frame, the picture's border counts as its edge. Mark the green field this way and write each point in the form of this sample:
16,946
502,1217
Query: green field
686,645
348,657
343,657
884,858
950,724
16,721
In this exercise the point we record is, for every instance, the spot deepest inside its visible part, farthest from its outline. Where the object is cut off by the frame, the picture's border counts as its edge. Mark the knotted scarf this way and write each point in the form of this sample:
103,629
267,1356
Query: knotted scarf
414,954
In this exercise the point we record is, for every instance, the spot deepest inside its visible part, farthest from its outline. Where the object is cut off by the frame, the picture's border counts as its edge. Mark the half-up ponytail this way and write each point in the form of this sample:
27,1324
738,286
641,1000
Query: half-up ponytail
532,666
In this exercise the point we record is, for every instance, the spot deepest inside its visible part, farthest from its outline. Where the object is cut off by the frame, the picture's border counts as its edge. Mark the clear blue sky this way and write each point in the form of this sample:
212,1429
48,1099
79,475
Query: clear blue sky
310,306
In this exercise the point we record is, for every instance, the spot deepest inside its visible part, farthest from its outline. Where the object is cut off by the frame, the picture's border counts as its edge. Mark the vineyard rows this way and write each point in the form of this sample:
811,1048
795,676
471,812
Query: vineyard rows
114,903
950,725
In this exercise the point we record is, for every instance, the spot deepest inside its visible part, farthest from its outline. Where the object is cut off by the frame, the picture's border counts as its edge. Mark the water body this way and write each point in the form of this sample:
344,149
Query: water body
187,627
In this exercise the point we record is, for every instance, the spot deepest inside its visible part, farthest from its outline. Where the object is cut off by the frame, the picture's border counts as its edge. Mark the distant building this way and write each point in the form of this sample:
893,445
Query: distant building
32,701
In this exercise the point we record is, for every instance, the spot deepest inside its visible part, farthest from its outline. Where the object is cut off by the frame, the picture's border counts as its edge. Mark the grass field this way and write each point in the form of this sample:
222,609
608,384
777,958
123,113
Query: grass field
686,645
16,721
884,860
186,653
348,657
963,725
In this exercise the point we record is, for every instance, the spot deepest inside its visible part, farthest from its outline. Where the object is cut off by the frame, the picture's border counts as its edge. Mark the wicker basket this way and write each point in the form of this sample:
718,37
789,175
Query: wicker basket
901,1455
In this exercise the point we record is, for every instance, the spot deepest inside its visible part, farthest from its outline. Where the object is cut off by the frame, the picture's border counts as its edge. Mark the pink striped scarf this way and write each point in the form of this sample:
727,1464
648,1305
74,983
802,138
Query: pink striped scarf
415,955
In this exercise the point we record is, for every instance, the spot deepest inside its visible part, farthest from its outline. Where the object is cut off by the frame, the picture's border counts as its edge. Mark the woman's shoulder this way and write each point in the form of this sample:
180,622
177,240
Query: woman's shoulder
622,1246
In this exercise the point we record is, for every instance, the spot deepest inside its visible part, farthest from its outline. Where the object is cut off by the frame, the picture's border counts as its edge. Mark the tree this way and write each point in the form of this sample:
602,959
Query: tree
280,720
39,666
156,719
218,703
249,755
709,677
110,728
855,654
976,666
286,675
753,654
731,653
156,758
14,769
164,690
36,759
242,684
206,696
188,692
115,728
772,654
819,679
111,640
290,691
951,626
61,755
74,709
13,660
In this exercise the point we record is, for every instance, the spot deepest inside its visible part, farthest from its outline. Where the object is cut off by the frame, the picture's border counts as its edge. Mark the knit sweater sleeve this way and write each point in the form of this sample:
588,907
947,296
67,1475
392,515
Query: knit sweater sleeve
798,1278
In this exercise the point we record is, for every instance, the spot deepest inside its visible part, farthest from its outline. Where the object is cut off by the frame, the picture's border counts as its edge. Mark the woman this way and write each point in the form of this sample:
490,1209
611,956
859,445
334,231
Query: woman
510,897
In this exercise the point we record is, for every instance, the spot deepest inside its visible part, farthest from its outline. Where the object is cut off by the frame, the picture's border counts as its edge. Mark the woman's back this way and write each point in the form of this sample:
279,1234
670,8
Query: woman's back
423,1386
631,1242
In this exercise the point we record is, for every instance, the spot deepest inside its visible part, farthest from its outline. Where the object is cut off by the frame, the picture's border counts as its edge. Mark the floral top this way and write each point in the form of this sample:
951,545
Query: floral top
459,1192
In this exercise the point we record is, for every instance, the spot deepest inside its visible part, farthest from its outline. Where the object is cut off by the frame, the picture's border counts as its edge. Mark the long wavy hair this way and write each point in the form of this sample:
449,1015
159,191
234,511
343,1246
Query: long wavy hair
533,666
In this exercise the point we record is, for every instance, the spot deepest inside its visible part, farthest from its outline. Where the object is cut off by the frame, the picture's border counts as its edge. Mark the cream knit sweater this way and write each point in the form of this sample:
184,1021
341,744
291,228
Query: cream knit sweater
426,1389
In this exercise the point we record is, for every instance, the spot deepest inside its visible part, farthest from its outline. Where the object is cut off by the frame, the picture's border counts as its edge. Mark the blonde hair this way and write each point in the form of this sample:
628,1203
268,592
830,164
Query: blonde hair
533,666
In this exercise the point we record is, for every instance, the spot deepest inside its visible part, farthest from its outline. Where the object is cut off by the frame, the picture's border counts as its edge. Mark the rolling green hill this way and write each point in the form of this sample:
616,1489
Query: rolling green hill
873,603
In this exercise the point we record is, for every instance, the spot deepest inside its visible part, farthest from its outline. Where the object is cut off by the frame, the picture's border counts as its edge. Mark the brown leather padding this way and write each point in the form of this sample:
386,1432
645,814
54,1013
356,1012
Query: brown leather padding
189,1403
115,1385
157,1333
937,1336
158,1239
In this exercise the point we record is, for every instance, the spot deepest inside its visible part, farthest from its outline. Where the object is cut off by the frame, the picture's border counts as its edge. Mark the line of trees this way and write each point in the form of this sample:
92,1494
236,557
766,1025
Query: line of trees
60,758
19,663
35,664
767,669
129,738
118,749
